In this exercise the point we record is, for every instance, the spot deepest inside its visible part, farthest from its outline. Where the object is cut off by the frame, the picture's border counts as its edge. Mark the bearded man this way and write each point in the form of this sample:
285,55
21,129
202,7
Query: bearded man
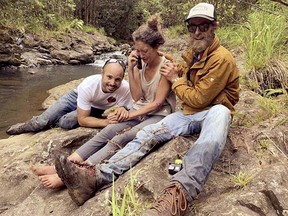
208,86
209,89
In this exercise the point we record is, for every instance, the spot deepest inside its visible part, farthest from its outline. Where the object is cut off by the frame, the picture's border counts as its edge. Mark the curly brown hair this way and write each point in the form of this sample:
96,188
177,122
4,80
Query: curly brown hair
150,32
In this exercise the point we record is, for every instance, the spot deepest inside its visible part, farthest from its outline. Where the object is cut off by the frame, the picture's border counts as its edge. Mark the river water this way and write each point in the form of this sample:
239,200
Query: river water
23,91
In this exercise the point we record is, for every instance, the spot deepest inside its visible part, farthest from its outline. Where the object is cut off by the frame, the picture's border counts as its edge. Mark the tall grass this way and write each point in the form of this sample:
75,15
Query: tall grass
126,204
272,106
230,36
262,36
263,41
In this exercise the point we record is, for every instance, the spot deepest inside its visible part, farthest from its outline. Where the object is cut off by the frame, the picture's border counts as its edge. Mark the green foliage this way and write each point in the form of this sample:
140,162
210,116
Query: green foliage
282,122
266,108
121,18
175,12
111,40
252,84
263,38
262,149
241,180
264,143
91,29
176,31
271,92
118,18
39,16
77,24
263,34
248,119
101,31
116,211
230,37
242,80
126,204
272,106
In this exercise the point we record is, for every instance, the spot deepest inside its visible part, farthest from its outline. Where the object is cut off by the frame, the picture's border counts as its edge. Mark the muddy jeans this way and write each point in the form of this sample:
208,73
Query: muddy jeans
112,138
213,126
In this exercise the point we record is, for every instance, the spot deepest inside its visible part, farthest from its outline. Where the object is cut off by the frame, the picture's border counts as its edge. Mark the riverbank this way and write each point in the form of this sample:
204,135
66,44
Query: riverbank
19,49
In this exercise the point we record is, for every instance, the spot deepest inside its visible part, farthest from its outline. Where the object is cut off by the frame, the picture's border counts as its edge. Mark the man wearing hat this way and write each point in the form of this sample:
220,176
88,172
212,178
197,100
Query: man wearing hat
208,85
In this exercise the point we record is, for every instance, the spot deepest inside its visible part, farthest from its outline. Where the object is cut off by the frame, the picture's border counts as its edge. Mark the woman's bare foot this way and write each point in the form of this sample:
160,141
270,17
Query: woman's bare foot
43,170
51,181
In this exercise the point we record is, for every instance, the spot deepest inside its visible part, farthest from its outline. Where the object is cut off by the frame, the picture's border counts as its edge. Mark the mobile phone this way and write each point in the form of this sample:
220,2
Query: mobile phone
139,63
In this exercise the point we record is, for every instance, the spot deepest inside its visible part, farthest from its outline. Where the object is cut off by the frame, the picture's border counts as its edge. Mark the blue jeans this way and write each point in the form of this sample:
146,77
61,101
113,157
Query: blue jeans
213,126
62,114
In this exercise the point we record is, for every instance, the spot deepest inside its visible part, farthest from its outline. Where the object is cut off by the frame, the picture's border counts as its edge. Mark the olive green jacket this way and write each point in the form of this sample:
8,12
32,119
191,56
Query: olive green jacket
212,80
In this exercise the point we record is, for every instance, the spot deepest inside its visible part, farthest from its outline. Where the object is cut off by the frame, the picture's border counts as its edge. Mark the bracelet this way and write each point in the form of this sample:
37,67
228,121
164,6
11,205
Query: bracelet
176,79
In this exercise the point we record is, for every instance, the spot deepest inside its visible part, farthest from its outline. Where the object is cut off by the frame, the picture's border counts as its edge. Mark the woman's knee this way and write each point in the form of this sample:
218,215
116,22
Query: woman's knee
122,138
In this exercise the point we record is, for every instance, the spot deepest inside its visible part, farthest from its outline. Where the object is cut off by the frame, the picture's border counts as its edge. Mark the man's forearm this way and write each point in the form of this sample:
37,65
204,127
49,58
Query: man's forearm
93,122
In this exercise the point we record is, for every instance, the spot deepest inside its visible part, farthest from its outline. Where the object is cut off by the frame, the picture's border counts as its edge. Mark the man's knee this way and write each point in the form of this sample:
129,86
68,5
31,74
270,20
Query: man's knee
68,122
221,110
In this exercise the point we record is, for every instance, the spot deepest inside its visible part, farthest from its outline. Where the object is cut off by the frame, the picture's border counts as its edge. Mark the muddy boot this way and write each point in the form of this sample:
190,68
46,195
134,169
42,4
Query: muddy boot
81,181
19,128
172,202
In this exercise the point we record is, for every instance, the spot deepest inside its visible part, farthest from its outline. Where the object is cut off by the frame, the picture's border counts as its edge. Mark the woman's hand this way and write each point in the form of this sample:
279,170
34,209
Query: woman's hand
119,115
132,60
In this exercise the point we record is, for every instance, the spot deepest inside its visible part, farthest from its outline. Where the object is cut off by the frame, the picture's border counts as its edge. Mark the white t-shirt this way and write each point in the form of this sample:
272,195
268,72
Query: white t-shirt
90,94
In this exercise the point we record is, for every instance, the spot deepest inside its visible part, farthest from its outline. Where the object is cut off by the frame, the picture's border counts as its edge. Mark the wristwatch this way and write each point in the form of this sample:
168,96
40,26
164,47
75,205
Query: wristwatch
176,79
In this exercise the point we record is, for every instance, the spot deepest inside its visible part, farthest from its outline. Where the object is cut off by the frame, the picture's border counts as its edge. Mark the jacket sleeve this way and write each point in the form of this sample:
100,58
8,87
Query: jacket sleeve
205,90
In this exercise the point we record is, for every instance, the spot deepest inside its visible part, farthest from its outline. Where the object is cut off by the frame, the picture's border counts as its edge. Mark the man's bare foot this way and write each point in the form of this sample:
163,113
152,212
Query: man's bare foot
43,170
51,181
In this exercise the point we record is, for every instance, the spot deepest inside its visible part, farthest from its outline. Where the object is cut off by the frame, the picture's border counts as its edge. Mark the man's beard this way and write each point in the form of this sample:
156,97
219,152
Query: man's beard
200,46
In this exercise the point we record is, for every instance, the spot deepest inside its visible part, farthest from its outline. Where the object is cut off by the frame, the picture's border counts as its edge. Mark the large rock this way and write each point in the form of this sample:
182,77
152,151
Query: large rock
250,177
34,58
10,51
27,50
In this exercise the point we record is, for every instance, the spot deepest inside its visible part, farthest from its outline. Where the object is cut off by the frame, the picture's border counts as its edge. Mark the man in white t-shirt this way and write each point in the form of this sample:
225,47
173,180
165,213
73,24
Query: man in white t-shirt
85,105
